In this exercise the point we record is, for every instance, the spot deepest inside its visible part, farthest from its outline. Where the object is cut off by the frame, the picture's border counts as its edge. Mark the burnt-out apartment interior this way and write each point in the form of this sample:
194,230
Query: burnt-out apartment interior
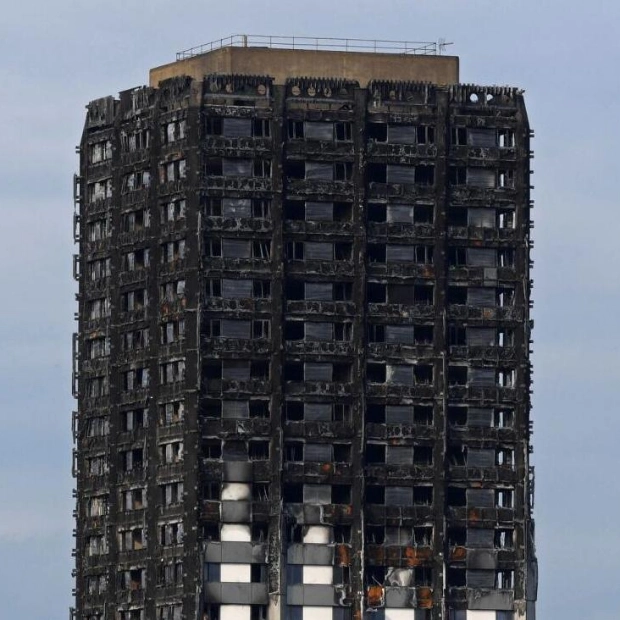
302,358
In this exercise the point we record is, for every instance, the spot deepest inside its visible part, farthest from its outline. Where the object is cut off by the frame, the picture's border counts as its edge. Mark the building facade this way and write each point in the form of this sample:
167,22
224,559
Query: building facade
302,360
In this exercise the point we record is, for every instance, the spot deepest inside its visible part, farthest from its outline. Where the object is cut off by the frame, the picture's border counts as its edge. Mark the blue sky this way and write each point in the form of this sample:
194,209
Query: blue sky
55,57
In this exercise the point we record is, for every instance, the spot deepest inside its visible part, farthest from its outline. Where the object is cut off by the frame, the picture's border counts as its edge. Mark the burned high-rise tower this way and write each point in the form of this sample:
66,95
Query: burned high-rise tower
302,361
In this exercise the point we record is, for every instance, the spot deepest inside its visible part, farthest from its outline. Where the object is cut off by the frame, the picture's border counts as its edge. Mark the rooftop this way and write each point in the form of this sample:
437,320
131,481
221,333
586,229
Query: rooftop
282,58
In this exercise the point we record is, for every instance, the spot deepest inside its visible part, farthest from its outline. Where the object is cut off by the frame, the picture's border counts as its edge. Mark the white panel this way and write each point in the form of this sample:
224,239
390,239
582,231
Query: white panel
236,491
318,574
232,532
480,615
315,613
235,573
399,614
317,534
235,612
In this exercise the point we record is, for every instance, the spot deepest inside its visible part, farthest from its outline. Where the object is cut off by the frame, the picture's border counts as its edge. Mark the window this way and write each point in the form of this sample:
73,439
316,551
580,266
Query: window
133,300
135,140
172,331
172,291
133,499
172,493
97,348
99,190
171,533
135,379
99,152
133,419
131,540
171,452
173,251
135,340
172,171
171,413
132,221
97,230
97,386
172,371
173,131
136,180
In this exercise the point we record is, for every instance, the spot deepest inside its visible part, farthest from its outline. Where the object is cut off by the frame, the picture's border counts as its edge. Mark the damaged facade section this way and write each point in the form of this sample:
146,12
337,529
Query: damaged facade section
302,362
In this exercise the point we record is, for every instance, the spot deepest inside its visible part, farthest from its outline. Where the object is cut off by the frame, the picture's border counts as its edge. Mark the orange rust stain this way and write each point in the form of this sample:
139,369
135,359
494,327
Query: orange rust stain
343,555
374,595
458,553
425,598
473,514
416,556
326,468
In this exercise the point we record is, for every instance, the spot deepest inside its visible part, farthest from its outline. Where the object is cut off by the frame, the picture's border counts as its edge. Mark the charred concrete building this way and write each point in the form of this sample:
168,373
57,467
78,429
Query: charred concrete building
302,362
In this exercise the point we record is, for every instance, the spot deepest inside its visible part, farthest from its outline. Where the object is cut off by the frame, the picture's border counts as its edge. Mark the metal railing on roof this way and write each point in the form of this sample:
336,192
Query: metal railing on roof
317,43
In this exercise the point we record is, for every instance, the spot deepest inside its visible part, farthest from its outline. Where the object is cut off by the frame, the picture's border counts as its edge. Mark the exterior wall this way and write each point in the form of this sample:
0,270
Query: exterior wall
346,409
283,64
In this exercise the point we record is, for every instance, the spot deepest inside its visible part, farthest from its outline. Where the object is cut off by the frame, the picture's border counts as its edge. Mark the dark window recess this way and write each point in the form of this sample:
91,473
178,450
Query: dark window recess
457,175
294,290
457,415
423,214
375,373
377,173
375,414
457,295
343,251
376,253
294,330
377,212
343,211
375,495
457,216
375,453
377,132
376,292
343,291
457,257
213,207
456,577
295,210
294,371
458,136
423,414
456,335
457,536
258,450
295,170
456,496
343,132
341,494
425,175
457,375
376,333
293,493
343,171
294,411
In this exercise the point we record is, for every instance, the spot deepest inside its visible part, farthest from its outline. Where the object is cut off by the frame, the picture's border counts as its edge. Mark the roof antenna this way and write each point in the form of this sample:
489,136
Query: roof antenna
442,45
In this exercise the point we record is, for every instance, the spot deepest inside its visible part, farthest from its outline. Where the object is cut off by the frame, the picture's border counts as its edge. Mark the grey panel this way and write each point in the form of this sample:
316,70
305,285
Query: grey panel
237,127
401,134
483,297
399,334
236,289
317,452
235,511
312,554
319,211
237,471
319,331
237,552
482,377
400,374
482,137
480,336
244,593
236,329
317,412
400,174
318,595
316,250
315,371
492,601
399,598
317,494
482,257
399,253
318,555
236,207
318,291
480,458
478,538
484,218
481,177
399,455
399,414
479,417
319,171
400,213
484,559
295,594
236,248
480,578
400,536
318,131
235,409
237,371
480,498
399,496
237,167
